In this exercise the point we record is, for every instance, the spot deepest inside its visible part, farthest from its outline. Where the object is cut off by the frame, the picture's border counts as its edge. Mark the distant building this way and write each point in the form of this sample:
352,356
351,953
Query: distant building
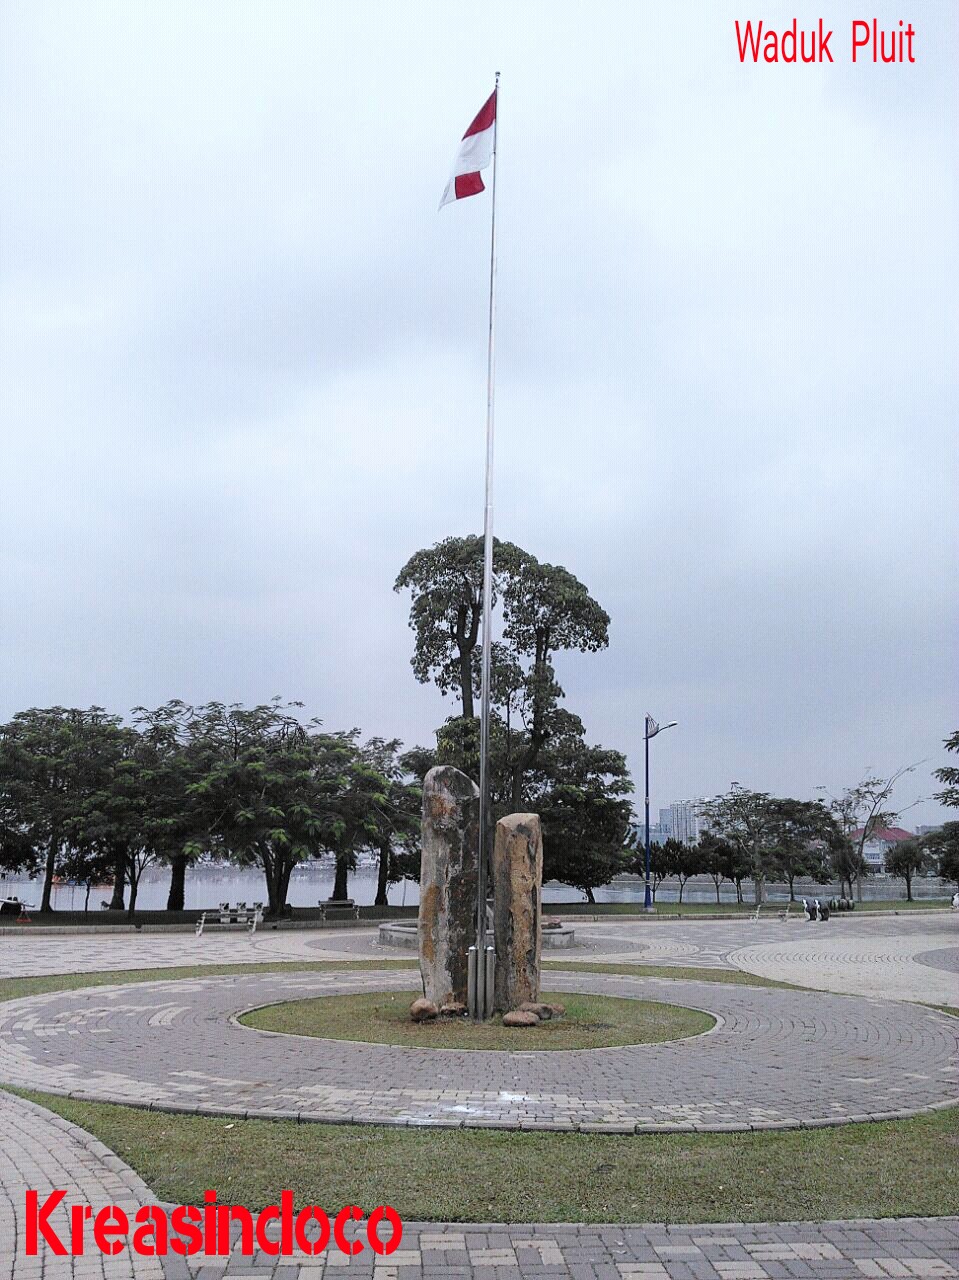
683,820
879,844
924,831
658,834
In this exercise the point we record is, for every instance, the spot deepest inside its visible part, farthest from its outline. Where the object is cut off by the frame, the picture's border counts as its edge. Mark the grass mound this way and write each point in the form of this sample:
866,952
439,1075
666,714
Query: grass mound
382,1017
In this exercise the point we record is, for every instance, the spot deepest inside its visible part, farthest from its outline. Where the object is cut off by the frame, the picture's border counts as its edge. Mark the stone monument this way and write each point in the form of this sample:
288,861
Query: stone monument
447,915
517,922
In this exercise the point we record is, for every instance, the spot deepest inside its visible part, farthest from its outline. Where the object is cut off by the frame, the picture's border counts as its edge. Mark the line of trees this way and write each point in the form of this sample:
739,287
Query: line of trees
86,797
753,836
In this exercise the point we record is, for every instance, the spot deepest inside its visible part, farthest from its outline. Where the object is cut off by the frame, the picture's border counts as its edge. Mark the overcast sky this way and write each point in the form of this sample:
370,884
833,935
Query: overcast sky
242,365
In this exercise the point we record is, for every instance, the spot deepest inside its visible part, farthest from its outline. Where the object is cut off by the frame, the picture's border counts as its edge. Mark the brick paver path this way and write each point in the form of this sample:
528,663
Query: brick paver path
863,1250
776,1059
43,1152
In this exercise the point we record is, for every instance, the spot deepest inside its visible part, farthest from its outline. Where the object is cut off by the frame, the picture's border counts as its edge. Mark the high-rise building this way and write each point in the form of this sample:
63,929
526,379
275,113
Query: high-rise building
684,820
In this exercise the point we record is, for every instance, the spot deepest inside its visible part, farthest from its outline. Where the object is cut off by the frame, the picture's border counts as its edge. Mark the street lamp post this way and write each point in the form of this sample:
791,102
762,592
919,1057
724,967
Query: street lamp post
652,728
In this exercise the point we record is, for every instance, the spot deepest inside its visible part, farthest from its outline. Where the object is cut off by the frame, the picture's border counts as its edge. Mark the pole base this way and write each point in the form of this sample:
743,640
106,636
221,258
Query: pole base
481,973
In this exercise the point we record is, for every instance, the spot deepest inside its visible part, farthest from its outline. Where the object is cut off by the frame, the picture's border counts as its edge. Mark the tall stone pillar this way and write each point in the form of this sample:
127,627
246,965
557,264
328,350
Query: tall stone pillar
447,917
517,919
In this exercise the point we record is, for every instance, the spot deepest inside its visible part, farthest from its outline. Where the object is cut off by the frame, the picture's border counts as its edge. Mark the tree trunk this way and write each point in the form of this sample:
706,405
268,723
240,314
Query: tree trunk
682,886
382,879
792,893
86,900
176,896
739,891
516,791
589,895
717,884
51,864
466,683
908,887
284,870
134,886
341,880
119,879
269,868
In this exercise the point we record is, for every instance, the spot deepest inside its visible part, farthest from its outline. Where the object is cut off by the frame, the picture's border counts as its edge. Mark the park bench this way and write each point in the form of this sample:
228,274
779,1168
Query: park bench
237,914
338,906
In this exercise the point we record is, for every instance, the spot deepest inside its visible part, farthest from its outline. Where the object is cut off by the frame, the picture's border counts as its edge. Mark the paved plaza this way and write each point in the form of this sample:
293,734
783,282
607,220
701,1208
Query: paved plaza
872,954
775,1058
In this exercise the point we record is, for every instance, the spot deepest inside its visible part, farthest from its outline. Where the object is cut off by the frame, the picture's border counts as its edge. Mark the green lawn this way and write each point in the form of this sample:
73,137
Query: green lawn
901,1168
382,1017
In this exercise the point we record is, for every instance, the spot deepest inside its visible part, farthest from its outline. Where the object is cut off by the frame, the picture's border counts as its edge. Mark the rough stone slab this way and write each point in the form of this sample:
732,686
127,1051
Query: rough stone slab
447,914
517,911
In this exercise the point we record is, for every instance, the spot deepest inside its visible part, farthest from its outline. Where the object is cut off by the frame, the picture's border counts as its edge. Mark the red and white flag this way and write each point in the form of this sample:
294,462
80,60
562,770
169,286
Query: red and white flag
474,154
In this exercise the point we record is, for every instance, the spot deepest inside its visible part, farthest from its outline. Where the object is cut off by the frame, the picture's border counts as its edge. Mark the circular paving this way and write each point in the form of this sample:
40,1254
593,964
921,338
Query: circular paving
777,1059
944,958
890,966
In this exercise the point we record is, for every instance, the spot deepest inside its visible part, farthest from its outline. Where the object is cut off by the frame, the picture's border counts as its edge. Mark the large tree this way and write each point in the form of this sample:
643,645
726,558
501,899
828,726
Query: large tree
111,821
718,858
908,859
689,862
277,791
747,820
943,845
50,760
860,812
949,776
663,858
446,585
364,810
581,793
545,610
803,832
181,747
396,837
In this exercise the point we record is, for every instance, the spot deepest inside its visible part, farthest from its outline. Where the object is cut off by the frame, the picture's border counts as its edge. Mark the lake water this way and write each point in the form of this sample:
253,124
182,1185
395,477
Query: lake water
206,886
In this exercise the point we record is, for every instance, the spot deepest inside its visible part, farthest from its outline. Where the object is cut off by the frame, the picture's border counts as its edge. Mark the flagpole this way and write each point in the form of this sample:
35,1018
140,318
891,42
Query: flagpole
484,998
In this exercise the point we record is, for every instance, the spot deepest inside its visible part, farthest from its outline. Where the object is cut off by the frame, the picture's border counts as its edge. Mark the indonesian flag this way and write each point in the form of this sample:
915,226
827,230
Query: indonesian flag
475,153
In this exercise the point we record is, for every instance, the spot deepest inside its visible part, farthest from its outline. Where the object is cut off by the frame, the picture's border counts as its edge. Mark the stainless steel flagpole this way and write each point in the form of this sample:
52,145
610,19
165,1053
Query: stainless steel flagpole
483,1002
